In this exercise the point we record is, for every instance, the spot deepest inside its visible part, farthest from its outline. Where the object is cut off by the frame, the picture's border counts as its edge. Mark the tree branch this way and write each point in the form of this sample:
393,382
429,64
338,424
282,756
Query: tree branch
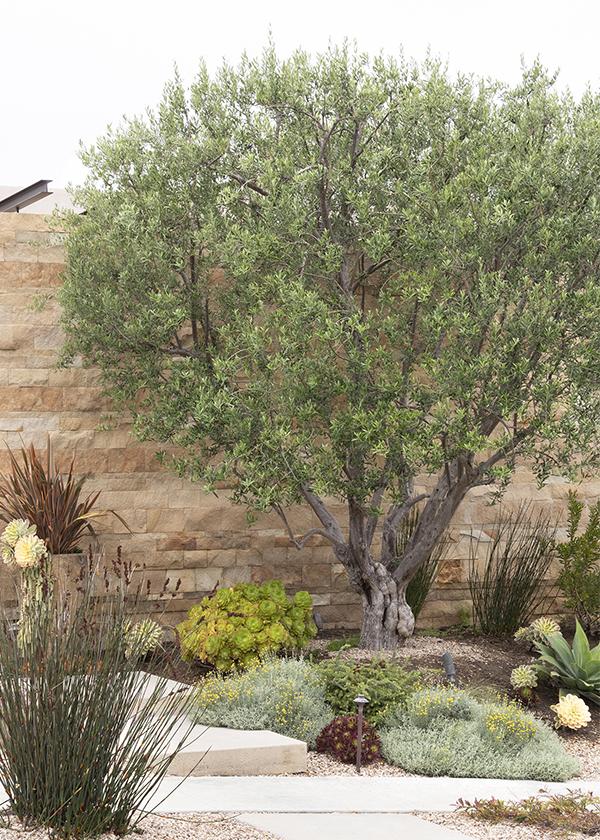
325,517
300,542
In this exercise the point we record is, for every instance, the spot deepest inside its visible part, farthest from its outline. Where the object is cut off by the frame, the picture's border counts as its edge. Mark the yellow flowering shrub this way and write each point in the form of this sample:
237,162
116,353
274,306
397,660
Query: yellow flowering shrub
509,724
283,695
424,707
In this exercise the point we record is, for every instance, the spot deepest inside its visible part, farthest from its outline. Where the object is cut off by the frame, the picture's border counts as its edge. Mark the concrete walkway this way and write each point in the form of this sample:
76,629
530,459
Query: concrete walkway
343,794
350,827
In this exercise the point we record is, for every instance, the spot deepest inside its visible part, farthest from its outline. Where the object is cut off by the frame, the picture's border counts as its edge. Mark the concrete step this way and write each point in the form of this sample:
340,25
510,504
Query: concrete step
215,751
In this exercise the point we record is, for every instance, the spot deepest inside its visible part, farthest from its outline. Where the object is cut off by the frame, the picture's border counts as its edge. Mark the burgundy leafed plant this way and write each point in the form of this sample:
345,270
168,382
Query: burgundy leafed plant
53,501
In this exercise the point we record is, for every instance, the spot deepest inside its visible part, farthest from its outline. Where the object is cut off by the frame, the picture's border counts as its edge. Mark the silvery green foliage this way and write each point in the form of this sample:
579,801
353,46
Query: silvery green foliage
465,748
407,283
283,695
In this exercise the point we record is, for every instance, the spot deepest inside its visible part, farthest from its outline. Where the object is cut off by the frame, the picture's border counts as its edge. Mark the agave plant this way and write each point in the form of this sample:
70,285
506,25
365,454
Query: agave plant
51,501
574,668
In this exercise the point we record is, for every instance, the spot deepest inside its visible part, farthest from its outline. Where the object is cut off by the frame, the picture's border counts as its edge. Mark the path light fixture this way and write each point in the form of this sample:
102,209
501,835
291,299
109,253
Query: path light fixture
361,702
449,667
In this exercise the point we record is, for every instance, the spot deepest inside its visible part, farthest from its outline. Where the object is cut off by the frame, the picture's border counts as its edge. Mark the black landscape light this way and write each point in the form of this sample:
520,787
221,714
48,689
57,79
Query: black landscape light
449,667
361,702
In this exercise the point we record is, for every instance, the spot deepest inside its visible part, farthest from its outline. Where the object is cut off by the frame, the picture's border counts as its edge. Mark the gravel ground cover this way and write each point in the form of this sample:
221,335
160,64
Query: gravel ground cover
166,827
497,831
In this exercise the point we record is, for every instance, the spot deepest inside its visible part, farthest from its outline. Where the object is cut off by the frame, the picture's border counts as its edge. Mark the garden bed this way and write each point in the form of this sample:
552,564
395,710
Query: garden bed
186,826
497,831
481,663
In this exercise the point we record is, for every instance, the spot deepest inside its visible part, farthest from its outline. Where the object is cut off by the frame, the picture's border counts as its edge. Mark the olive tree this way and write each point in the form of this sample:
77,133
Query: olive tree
320,278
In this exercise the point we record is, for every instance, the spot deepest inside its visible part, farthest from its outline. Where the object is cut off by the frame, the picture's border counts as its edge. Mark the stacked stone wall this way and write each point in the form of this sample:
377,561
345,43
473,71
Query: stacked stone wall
177,530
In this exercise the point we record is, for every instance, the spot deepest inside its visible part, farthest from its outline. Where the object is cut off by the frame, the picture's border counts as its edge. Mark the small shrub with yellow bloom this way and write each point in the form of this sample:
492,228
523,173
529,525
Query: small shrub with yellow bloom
283,695
508,724
431,704
487,739
571,712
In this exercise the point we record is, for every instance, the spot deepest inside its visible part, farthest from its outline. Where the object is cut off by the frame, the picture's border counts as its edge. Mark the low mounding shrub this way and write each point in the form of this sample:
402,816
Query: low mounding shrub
579,578
576,667
498,741
239,626
340,738
511,588
384,684
283,695
425,707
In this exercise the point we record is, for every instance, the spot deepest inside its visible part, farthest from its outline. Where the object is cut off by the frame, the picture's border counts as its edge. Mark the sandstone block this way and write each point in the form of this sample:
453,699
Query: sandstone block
205,580
317,574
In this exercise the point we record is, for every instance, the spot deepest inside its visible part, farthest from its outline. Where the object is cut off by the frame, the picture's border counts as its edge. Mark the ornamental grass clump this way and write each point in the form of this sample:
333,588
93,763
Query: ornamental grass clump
488,740
239,626
54,502
283,695
79,756
510,588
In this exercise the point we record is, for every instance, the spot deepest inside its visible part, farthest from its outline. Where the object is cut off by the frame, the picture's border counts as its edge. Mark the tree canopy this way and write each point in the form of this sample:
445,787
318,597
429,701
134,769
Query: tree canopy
323,276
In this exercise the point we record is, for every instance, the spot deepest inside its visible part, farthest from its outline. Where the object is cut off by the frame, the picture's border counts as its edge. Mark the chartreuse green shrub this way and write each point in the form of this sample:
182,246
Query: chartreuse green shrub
283,695
383,683
485,739
237,627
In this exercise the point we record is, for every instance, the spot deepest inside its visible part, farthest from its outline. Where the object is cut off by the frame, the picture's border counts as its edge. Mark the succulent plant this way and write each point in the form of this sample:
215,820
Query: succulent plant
538,630
239,626
340,737
571,712
142,638
575,668
524,676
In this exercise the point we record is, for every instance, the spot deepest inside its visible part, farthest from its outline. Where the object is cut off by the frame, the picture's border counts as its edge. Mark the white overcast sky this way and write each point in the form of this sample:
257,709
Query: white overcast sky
69,67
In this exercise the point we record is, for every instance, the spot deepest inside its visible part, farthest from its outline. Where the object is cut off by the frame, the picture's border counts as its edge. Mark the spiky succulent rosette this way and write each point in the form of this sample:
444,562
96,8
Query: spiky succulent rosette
538,630
524,676
142,638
